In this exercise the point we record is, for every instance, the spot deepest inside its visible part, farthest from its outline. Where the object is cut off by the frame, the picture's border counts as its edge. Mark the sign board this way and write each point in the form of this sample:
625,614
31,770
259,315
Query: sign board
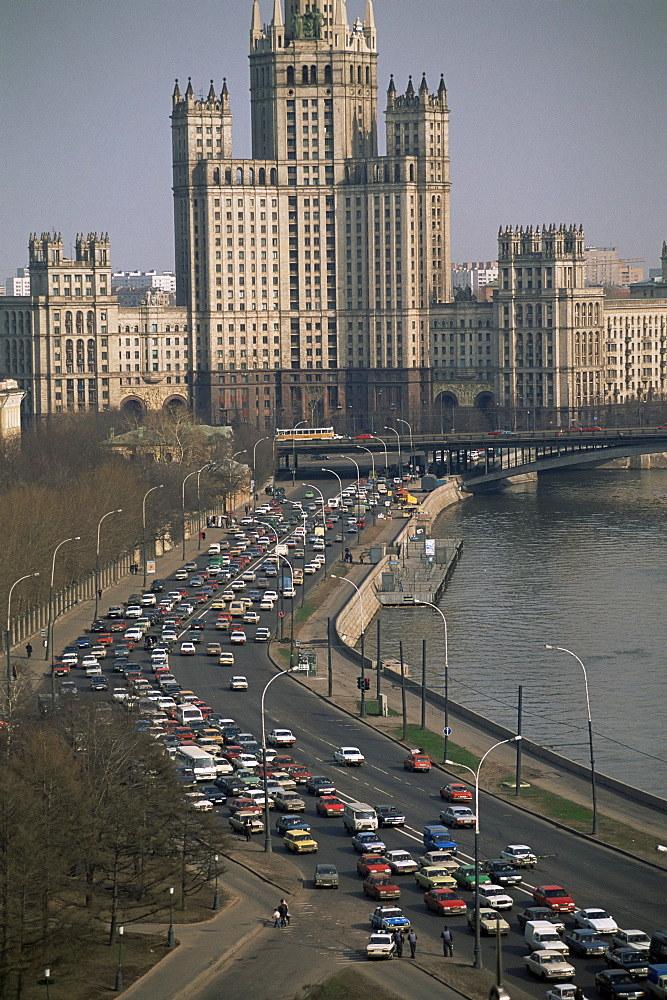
150,565
429,546
281,550
447,731
281,614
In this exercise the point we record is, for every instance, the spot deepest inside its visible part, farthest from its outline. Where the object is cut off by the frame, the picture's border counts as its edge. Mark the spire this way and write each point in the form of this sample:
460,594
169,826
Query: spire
277,14
410,92
391,92
369,17
211,93
256,23
442,89
189,92
176,96
423,86
224,96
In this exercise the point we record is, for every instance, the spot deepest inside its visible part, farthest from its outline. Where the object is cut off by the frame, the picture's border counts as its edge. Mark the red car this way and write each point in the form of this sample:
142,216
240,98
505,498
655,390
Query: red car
445,902
61,670
117,625
456,792
372,864
329,805
555,898
105,639
380,887
417,761
300,773
364,437
281,762
248,805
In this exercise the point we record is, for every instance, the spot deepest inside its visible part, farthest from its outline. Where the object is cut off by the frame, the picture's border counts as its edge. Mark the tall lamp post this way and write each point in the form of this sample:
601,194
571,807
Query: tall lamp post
254,468
297,424
282,591
434,607
171,940
324,522
143,525
562,649
340,487
8,633
49,635
197,473
51,643
216,895
119,970
267,819
356,465
373,494
97,556
386,458
477,962
400,460
362,700
400,420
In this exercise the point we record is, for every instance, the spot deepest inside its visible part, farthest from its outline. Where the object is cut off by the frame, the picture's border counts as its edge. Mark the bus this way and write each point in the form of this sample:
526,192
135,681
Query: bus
306,434
199,760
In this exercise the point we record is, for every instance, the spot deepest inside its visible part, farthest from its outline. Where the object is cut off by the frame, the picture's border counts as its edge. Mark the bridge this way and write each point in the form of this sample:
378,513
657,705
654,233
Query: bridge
483,458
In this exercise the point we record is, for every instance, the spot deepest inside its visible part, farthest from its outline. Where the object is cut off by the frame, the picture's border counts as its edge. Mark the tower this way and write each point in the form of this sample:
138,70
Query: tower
309,270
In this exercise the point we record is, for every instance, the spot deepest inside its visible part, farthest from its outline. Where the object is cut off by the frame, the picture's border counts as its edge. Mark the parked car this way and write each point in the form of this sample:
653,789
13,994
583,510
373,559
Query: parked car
380,945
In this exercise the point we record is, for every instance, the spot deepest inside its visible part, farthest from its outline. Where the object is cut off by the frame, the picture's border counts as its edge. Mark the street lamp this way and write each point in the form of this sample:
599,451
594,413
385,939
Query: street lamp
267,819
477,962
216,895
199,472
362,701
282,594
51,643
561,649
324,522
434,607
119,970
356,465
189,475
47,981
143,525
361,448
386,459
254,468
342,537
76,538
171,940
8,633
231,463
409,426
97,557
400,460
297,424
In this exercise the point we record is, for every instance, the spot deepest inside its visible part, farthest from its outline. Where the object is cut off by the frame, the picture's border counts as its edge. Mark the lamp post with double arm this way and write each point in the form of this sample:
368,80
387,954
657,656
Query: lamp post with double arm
97,557
434,607
409,426
267,819
143,527
8,633
342,536
400,459
49,636
362,700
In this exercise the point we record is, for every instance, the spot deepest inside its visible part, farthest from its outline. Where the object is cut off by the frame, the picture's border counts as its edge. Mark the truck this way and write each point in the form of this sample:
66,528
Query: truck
436,836
656,981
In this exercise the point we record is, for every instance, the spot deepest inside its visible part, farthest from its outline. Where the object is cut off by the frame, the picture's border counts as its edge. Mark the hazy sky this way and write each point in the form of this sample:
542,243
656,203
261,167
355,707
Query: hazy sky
558,113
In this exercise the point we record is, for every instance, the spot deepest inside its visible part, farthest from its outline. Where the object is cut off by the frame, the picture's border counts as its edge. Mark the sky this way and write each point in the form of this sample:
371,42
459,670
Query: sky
558,112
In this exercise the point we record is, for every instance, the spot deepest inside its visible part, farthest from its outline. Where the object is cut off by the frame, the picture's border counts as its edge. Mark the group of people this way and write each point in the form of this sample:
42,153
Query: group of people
399,941
281,915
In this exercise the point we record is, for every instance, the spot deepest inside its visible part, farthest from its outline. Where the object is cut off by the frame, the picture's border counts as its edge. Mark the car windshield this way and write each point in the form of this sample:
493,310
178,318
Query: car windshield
621,977
554,893
596,915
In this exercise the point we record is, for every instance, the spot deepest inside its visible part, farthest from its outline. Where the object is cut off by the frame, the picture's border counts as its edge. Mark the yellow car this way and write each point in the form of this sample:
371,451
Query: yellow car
300,842
218,604
213,649
433,876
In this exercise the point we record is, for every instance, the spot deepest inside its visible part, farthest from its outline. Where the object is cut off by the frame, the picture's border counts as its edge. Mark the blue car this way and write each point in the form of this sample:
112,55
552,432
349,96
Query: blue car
367,842
83,642
291,822
389,918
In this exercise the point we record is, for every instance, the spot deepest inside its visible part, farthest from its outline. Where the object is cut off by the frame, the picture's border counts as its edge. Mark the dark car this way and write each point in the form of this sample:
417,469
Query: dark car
291,822
540,913
502,872
229,784
616,984
99,683
214,795
319,785
634,962
389,815
585,942
98,626
157,586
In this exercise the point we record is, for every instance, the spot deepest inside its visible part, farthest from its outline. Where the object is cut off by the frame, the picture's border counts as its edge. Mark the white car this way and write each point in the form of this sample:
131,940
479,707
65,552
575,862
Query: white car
266,605
89,660
401,862
238,637
520,855
188,649
634,938
310,568
251,618
238,683
281,738
595,919
548,965
133,611
134,634
495,897
351,756
181,574
148,600
380,945
262,635
270,595
120,694
289,592
93,669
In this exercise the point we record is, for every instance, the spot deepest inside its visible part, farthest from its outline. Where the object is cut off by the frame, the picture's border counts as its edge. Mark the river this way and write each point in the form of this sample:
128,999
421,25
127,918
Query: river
577,560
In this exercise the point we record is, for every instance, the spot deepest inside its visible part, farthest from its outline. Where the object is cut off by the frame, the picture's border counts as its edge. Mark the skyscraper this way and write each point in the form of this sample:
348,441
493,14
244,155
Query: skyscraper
309,271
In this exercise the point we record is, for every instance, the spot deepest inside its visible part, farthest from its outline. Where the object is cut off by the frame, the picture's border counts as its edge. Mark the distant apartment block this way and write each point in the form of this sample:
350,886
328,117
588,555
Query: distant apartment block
474,274
20,283
604,267
165,282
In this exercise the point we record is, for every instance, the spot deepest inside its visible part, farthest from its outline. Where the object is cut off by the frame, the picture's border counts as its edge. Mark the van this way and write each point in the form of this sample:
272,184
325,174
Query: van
359,816
185,714
657,950
237,609
541,934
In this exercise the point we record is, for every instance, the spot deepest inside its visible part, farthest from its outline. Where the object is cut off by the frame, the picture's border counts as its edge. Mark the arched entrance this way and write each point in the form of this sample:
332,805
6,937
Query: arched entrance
446,405
175,404
486,407
132,406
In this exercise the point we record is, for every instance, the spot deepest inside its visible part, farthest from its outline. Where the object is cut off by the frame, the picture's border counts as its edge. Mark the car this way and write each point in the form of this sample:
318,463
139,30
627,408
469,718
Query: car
213,649
93,669
188,649
351,756
266,604
417,760
367,840
465,877
631,939
617,984
459,816
389,918
237,636
300,842
120,694
564,991
633,961
115,612
596,919
245,819
445,902
554,897
61,669
238,683
181,574
548,965
502,872
319,785
401,862
490,921
389,815
326,877
433,876
292,822
456,792
251,618
495,897
68,689
329,805
540,913
442,858
520,855
380,945
83,642
99,683
281,738
288,800
380,887
214,795
585,942
372,864
262,635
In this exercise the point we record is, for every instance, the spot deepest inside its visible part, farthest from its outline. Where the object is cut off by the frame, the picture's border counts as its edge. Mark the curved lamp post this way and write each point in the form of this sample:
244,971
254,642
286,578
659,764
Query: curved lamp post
267,820
97,556
400,460
197,473
143,524
356,465
8,633
342,536
477,962
362,700
562,649
386,458
324,523
399,420
254,468
49,638
373,494
434,607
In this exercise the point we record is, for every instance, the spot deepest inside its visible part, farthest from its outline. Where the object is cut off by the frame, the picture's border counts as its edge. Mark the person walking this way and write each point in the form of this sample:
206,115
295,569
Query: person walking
247,826
447,942
398,941
284,913
412,941
276,918
28,650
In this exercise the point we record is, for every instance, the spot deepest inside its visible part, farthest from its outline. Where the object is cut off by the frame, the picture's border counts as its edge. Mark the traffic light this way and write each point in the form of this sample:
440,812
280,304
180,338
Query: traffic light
360,682
367,684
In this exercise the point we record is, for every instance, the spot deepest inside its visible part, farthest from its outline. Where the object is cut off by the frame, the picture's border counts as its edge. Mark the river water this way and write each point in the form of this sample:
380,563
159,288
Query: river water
576,560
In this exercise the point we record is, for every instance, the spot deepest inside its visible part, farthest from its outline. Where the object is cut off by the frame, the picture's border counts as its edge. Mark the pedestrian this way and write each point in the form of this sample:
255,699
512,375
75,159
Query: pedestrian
99,595
284,913
28,650
247,826
398,941
447,942
412,941
276,918
361,559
